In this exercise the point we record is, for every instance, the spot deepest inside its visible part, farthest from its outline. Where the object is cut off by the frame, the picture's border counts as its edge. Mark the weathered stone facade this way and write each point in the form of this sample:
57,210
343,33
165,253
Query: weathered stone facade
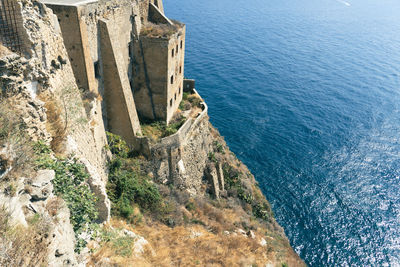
110,55
98,37
181,159
158,68
158,75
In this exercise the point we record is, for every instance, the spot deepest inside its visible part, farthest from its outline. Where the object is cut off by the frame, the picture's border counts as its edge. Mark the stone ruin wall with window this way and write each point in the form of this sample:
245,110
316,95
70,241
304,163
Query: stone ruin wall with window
158,75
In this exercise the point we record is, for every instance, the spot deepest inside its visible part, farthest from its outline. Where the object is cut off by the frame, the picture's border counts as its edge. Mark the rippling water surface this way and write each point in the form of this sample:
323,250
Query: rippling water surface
306,93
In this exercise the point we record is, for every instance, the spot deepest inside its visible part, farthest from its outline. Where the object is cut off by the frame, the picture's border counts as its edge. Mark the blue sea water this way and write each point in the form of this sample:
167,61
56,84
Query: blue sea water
307,94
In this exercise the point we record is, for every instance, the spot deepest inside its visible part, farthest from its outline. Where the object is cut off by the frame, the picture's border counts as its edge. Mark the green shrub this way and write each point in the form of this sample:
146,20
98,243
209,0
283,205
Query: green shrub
117,145
173,127
123,245
127,185
260,209
218,147
231,176
70,183
195,100
181,106
159,129
190,206
211,157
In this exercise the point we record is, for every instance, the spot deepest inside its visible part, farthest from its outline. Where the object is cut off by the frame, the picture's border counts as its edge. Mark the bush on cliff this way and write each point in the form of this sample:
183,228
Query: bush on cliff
70,183
127,185
157,130
233,182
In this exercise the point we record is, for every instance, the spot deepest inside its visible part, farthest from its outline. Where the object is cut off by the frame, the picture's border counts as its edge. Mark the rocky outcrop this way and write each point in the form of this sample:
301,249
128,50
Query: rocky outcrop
40,188
32,199
41,102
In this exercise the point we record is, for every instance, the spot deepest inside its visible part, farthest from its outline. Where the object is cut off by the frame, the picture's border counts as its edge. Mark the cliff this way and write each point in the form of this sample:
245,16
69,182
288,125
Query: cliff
166,193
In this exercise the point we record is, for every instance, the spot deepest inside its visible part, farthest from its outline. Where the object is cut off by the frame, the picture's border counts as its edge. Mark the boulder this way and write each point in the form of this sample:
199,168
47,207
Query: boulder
41,187
263,242
251,234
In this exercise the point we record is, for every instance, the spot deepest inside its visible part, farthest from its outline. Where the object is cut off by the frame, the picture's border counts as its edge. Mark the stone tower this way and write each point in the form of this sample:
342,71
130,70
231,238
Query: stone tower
159,53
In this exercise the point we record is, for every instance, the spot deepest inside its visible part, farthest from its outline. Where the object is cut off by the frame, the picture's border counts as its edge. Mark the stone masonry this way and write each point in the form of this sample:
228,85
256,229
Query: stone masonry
137,75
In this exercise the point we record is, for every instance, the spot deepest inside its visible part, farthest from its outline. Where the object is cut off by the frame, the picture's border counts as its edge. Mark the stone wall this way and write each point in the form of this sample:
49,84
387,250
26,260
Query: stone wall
98,37
159,4
181,158
150,77
176,65
121,109
157,16
75,36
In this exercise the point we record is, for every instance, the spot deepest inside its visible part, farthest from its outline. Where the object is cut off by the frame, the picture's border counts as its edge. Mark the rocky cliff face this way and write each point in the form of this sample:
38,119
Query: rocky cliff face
41,102
190,202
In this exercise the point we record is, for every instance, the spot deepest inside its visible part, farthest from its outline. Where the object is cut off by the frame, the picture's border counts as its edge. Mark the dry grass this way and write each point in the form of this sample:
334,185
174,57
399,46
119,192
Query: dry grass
20,246
199,236
14,138
187,246
54,205
158,30
57,124
201,240
183,246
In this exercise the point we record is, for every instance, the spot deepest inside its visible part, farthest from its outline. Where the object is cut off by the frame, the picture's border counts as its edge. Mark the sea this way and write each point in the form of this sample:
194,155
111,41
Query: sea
307,94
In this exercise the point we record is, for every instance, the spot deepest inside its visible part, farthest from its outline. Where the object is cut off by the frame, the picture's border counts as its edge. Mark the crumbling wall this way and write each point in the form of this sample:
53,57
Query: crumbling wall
40,85
76,42
52,71
181,159
104,39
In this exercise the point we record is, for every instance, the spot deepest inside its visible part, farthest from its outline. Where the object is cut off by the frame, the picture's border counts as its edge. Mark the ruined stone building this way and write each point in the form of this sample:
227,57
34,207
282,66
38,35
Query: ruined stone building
130,53
127,59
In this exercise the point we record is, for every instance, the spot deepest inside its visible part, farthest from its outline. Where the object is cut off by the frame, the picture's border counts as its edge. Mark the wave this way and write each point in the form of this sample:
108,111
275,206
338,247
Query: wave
344,2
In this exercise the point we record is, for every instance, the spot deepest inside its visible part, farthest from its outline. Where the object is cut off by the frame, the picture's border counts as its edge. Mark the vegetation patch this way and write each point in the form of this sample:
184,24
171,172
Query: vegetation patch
127,184
159,129
158,30
233,182
70,183
23,246
190,100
